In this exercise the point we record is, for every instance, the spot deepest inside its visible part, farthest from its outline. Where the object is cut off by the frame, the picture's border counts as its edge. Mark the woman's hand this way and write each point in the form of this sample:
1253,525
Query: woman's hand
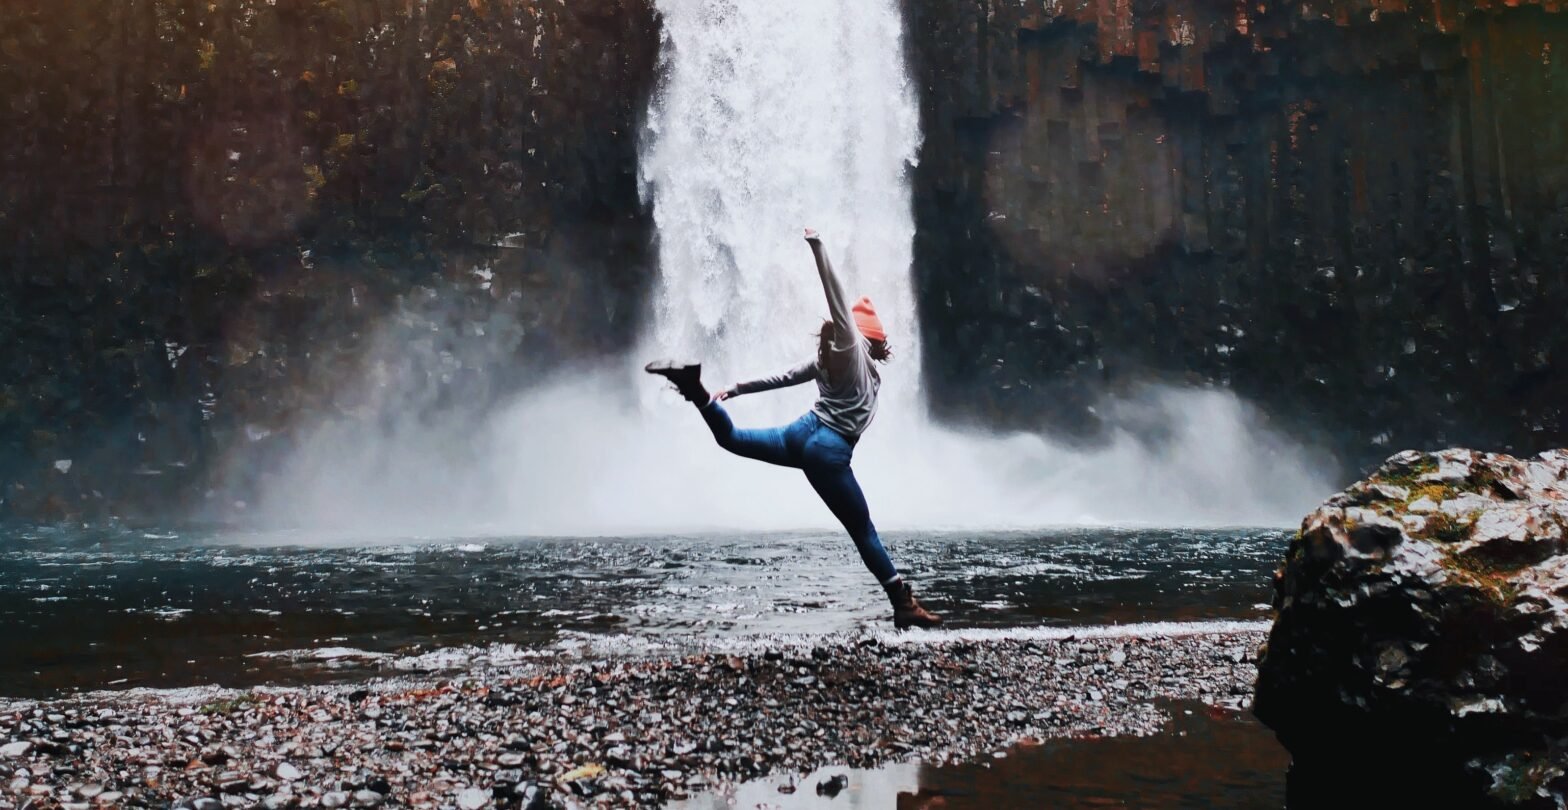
813,236
723,395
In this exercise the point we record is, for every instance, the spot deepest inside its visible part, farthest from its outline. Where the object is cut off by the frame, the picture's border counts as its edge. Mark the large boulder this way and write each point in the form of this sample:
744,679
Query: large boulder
1421,637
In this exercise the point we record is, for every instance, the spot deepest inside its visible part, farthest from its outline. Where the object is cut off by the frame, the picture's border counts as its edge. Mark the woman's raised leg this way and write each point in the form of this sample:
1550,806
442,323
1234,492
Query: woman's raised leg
765,444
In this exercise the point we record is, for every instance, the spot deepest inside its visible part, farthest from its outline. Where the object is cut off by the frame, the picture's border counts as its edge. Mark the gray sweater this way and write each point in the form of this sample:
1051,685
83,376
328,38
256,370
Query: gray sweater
847,388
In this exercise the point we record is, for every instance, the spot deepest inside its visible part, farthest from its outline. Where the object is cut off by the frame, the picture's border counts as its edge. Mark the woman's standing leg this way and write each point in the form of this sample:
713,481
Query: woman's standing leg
826,461
835,483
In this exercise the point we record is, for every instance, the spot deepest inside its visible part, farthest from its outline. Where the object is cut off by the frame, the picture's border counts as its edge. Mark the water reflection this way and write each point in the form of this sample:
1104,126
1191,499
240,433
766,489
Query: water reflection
1206,758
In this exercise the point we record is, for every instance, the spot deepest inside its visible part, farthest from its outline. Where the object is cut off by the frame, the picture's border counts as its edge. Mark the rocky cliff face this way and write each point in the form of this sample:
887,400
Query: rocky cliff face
1421,636
1352,211
214,215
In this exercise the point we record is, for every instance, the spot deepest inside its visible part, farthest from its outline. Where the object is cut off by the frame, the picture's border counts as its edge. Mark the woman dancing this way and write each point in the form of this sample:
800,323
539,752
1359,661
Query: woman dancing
822,442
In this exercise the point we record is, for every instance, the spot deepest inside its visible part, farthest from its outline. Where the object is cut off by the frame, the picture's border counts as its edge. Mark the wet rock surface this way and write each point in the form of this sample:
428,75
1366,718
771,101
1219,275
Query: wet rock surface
1420,633
609,733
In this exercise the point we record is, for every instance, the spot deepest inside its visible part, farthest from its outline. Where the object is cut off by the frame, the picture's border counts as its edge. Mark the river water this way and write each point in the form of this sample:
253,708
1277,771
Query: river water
119,608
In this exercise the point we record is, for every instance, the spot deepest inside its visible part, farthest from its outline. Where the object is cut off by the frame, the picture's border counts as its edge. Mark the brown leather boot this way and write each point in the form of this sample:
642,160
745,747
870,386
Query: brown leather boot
687,378
906,611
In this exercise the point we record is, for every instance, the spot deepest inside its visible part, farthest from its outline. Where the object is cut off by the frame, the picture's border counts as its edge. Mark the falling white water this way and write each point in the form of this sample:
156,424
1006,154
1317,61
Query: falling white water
773,117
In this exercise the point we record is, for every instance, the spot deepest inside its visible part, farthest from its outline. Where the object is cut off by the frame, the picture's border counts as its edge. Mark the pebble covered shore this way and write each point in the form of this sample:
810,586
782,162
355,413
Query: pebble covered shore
611,733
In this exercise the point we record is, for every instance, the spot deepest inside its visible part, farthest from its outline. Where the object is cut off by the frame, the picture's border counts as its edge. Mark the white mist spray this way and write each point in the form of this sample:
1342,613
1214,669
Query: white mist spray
772,117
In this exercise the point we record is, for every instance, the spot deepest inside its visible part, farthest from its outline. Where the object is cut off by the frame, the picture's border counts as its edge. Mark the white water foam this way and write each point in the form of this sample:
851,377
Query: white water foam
574,647
1103,632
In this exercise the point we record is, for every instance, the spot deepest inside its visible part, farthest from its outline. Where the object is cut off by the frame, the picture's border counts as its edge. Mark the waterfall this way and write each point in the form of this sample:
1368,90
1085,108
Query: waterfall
773,117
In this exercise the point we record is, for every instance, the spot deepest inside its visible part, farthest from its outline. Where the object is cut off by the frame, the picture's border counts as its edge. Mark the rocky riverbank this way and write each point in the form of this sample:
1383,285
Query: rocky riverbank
611,733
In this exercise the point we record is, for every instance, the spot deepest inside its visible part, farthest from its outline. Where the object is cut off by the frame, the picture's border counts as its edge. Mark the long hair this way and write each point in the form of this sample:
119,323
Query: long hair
879,350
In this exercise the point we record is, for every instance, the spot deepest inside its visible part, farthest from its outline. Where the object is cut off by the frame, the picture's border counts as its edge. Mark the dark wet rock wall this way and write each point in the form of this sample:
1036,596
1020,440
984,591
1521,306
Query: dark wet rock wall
1353,213
213,214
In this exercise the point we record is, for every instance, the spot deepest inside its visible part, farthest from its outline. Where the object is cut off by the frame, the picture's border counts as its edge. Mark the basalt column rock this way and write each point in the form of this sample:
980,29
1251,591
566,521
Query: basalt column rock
1421,638
1353,212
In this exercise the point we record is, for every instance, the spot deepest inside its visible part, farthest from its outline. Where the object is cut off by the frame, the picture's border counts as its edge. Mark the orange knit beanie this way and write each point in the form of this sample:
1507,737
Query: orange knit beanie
866,318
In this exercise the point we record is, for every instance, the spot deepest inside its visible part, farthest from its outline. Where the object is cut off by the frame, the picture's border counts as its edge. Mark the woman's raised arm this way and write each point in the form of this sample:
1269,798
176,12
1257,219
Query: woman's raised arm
838,303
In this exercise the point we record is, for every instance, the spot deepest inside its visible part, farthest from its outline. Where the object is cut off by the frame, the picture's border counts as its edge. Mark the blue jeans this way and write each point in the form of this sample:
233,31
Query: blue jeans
807,444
